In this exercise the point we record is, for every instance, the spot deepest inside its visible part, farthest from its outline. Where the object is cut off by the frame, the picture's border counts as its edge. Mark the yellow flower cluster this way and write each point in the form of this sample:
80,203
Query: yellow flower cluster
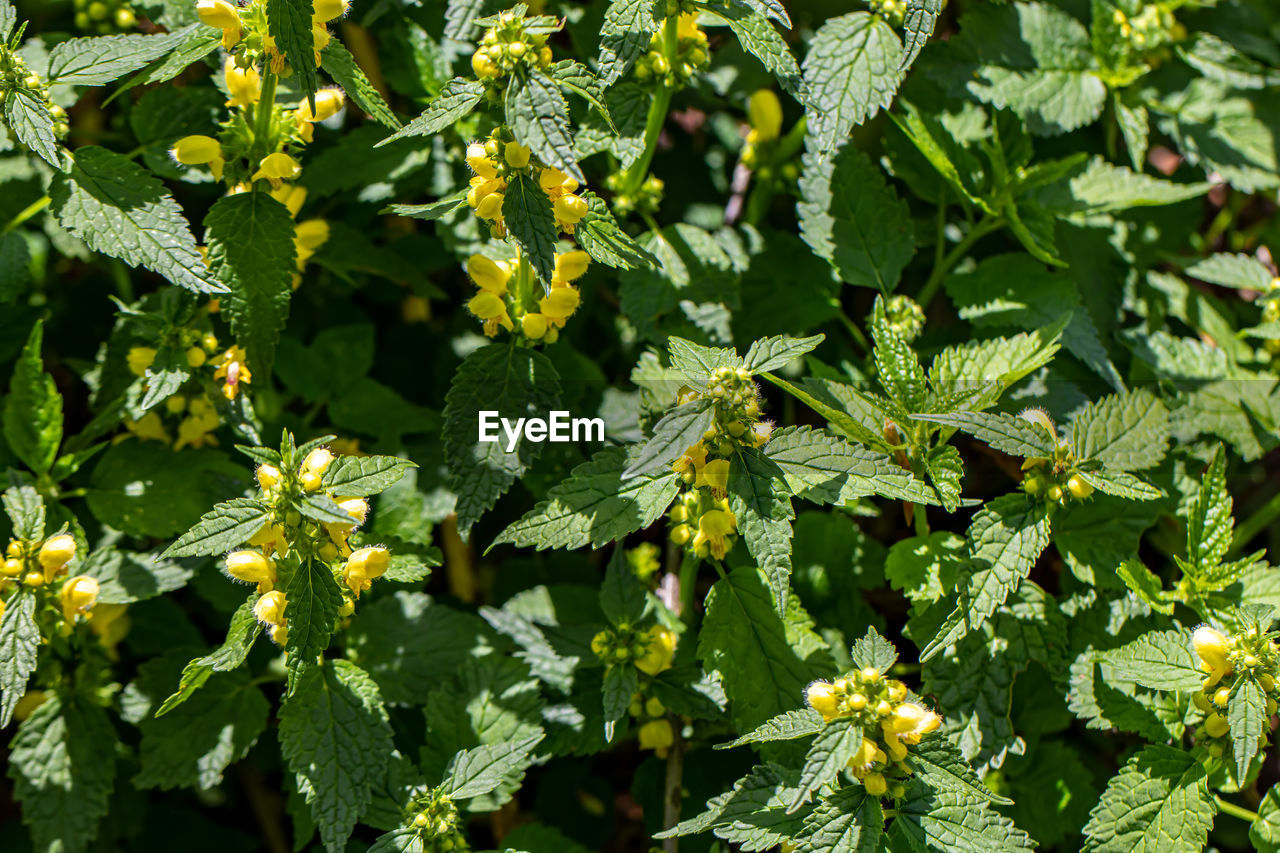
702,522
1054,479
508,45
438,823
892,11
198,416
245,27
656,731
496,160
502,302
289,535
15,74
650,650
1271,314
691,55
1153,27
1225,660
38,564
889,724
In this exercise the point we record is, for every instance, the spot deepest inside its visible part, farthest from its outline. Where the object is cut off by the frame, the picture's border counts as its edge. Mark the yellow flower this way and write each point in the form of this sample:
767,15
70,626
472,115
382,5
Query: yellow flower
571,265
656,735
517,155
277,167
570,209
659,650
139,359
1213,647
534,326
555,182
875,784
56,552
821,696
490,308
489,275
911,722
218,14
268,476
327,10
243,84
291,196
149,426
312,234
364,566
1216,725
490,207
78,596
233,370
111,623
478,160
270,608
715,476
252,567
195,429
764,111
866,757
714,528
329,103
196,150
560,303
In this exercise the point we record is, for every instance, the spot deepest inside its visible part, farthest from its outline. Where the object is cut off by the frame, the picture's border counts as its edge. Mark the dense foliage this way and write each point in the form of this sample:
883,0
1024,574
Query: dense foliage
918,367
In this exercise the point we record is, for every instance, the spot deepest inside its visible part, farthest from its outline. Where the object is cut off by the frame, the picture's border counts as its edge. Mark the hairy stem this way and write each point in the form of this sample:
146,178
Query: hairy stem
657,112
1234,810
673,790
262,113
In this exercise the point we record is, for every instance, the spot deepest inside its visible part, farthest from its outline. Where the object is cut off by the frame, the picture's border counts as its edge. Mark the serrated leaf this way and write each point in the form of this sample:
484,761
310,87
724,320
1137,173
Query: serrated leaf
33,408
8,17
918,23
1242,272
335,737
826,469
802,722
529,216
828,755
194,745
760,500
252,254
1005,540
777,352
121,210
95,61
514,381
848,820
339,64
1124,432
193,43
957,823
32,124
1209,523
311,613
1145,585
874,651
432,210
456,99
939,764
752,814
898,366
539,118
1219,60
1248,717
1122,485
1159,802
241,634
25,509
756,35
19,647
604,240
595,505
581,80
478,771
625,34
61,771
622,596
620,684
697,362
852,217
1161,660
680,428
1102,187
852,71
125,577
220,529
290,26
1265,831
361,476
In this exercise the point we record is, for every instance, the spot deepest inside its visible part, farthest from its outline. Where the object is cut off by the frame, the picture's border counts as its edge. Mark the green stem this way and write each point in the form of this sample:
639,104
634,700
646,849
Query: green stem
950,259
657,112
1255,523
1234,810
921,521
688,583
27,212
851,327
262,113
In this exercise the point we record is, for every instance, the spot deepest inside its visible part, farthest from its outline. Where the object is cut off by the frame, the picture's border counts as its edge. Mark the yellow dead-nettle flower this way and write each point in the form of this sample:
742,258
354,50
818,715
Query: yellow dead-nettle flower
233,370
659,650
78,596
764,111
822,697
277,167
270,608
56,552
488,274
139,359
243,84
252,567
364,566
1213,647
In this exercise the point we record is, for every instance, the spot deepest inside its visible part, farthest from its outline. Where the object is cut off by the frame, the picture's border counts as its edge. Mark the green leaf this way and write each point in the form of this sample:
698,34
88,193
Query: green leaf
828,755
19,647
918,24
516,382
121,210
478,771
1159,802
874,651
802,722
595,505
1209,522
620,684
1005,540
852,70
1102,187
252,254
604,240
582,81
313,599
339,64
898,366
95,61
760,500
622,596
15,266
852,217
539,118
757,36
1243,272
1265,831
777,352
290,27
8,18
221,529
194,745
432,210
31,122
753,814
124,578
764,660
361,476
698,362
1161,660
335,737
25,509
939,764
62,763
625,34
826,469
193,43
1145,585
847,820
241,634
957,823
1220,60
680,428
1006,433
532,222
33,408
1124,432
456,99
1122,485
1247,714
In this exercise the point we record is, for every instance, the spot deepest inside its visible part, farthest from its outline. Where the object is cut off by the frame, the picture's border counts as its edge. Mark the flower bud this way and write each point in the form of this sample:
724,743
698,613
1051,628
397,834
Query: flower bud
570,209
78,596
534,326
13,567
517,155
1213,647
196,150
821,696
659,651
329,103
318,460
369,563
656,735
327,10
875,784
1079,487
268,476
764,111
1216,725
488,274
57,551
490,207
270,608
140,360
196,357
